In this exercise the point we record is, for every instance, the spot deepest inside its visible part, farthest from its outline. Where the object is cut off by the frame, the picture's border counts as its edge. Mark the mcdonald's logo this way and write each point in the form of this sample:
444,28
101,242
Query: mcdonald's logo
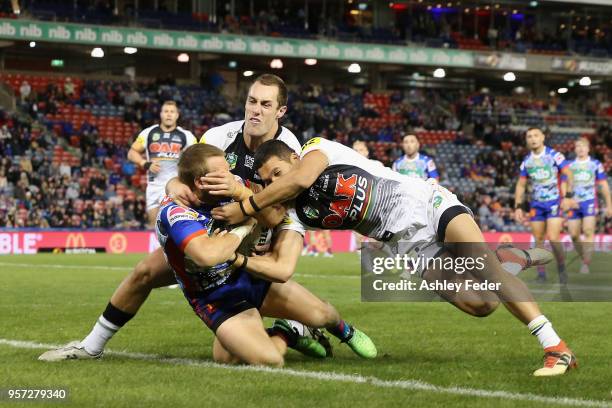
75,240
505,239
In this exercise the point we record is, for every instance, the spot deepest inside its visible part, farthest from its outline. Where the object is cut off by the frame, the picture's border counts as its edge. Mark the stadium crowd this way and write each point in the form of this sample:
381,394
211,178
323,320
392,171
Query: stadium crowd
99,188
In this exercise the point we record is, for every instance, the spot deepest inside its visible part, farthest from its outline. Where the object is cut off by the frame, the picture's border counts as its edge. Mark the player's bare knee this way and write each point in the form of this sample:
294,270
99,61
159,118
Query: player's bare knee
142,275
270,358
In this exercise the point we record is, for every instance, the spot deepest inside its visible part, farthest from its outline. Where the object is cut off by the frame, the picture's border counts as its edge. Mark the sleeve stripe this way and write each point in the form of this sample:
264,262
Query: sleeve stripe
190,237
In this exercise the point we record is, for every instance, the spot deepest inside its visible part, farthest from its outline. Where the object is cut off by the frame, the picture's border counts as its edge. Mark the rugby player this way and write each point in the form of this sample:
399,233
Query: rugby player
413,163
333,187
589,175
214,279
543,166
157,149
266,103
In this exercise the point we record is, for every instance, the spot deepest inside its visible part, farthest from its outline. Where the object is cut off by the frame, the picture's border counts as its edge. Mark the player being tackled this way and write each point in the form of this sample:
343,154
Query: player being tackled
332,187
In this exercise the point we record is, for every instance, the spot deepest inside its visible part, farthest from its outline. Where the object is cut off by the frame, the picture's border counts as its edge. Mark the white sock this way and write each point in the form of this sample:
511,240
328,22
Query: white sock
543,330
101,333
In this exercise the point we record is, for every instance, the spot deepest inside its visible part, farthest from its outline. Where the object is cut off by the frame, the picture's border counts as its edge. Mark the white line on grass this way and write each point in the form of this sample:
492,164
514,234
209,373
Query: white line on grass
414,385
126,268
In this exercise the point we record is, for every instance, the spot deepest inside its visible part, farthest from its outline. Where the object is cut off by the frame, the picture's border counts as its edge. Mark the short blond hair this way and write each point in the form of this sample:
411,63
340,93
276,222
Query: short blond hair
193,162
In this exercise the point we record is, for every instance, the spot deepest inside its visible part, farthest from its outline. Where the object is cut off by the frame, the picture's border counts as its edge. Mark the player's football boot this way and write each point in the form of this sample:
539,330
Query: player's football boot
515,260
584,269
308,341
71,351
361,344
557,361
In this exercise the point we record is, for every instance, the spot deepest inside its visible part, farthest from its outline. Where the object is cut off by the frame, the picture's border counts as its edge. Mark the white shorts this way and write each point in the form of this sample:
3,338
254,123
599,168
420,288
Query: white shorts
155,193
427,241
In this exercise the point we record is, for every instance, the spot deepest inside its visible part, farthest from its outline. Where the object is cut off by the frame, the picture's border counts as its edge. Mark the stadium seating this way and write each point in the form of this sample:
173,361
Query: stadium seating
91,130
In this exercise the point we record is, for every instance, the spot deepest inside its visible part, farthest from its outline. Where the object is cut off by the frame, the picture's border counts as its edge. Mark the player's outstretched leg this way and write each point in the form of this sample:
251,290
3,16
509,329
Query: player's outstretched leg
152,272
290,300
512,292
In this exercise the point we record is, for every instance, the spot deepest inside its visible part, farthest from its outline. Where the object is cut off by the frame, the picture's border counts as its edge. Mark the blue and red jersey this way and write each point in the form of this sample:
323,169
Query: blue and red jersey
176,227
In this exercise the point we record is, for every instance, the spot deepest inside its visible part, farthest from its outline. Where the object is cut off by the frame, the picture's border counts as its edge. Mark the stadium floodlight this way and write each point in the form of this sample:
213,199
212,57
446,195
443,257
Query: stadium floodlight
247,73
585,81
533,3
354,68
232,64
552,93
310,61
97,52
276,63
562,90
130,50
439,73
509,77
183,57
32,44
519,90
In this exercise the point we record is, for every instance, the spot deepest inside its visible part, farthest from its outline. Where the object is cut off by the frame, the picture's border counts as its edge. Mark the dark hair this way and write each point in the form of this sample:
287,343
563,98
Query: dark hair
410,134
193,162
535,128
274,80
269,149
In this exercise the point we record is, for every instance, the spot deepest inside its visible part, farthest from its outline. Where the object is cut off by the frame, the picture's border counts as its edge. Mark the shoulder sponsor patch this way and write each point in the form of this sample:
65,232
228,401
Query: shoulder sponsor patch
312,142
177,214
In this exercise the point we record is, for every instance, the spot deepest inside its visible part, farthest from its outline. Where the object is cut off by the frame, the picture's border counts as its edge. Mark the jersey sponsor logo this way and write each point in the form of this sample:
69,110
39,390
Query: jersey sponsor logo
232,160
437,201
540,173
431,166
310,212
164,147
249,161
177,214
348,190
312,142
583,175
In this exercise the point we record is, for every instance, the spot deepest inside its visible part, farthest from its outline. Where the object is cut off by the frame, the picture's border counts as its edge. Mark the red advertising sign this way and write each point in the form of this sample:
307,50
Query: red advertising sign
120,242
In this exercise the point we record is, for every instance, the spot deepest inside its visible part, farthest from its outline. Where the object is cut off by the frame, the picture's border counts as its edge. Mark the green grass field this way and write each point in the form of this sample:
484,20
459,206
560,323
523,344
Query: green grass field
429,353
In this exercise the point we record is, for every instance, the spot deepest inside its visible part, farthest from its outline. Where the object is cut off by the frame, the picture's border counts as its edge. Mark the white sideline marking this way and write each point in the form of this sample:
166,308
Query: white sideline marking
126,268
414,385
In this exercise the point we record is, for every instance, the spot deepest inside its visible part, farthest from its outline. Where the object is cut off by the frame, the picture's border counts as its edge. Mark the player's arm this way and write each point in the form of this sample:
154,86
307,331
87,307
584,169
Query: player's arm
208,251
601,180
290,185
519,195
567,187
135,154
285,188
278,265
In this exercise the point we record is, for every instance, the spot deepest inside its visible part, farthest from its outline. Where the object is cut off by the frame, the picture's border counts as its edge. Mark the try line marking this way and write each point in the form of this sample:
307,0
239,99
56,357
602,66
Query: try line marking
129,268
413,385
